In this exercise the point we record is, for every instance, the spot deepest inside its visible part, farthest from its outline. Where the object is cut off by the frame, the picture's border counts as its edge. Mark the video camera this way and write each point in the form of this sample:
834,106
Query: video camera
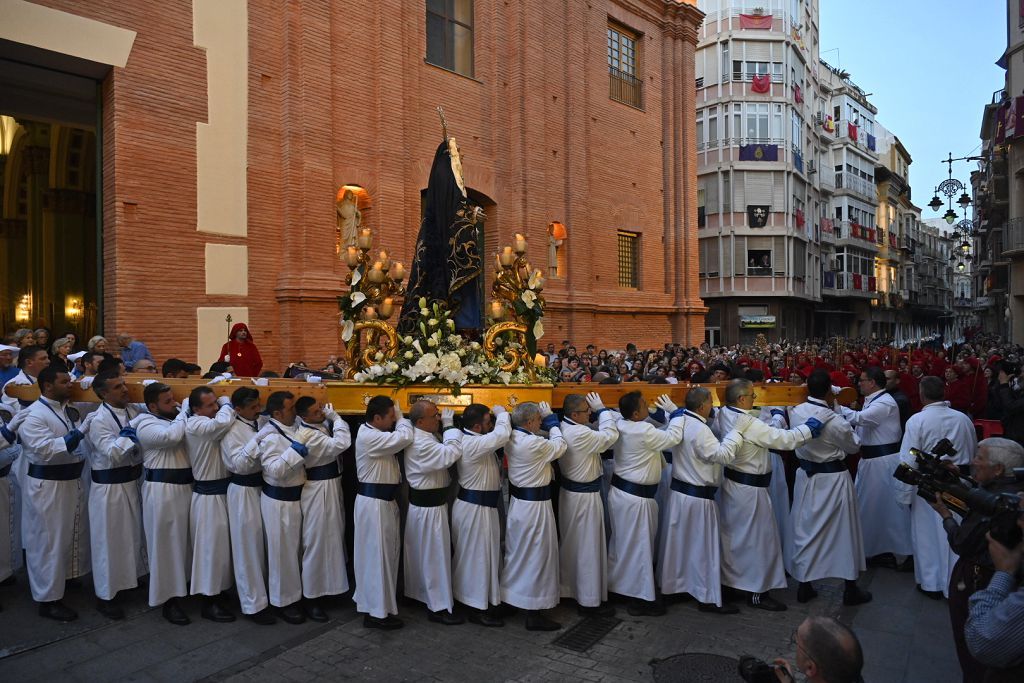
937,479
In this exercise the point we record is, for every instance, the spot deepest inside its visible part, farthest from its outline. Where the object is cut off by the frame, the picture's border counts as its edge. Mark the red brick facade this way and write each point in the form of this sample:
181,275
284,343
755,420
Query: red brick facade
340,93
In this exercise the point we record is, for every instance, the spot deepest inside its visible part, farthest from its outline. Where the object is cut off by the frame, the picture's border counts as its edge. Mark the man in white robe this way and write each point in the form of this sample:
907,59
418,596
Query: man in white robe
583,554
377,531
115,500
631,500
324,571
826,535
884,521
933,556
56,513
751,544
529,579
476,528
10,539
209,420
282,456
166,500
427,541
240,452
691,552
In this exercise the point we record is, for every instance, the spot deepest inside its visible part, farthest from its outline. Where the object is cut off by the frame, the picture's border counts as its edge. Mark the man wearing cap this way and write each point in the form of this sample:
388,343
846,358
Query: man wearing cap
55,523
8,368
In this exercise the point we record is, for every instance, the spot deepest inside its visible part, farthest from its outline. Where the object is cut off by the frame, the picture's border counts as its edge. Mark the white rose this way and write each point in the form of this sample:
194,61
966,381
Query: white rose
424,312
505,377
432,322
409,355
451,324
407,339
379,355
432,343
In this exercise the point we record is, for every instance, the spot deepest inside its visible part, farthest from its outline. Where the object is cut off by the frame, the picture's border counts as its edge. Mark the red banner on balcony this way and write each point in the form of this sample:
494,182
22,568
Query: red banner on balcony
857,281
1015,118
761,83
798,94
855,229
762,21
869,234
826,225
871,283
829,125
852,130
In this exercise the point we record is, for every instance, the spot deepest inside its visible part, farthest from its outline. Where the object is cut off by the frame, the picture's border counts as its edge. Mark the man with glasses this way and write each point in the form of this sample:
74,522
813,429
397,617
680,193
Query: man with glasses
826,652
884,522
751,548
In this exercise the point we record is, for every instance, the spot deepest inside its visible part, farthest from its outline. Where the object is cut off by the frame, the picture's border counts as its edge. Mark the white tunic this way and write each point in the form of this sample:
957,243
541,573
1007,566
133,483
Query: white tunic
56,521
10,541
476,529
583,556
933,558
428,543
323,518
778,489
282,519
115,510
165,507
634,519
884,522
377,540
751,545
691,552
240,454
529,579
826,534
211,540
19,472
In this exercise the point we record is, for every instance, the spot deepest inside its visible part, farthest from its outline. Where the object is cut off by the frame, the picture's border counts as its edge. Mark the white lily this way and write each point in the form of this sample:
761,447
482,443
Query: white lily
347,328
356,277
538,329
529,297
535,279
357,298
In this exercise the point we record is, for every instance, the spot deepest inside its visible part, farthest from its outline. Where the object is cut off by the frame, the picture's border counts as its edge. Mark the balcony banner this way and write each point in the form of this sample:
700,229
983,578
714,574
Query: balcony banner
761,83
1014,115
759,152
852,130
757,215
757,321
857,281
761,21
829,280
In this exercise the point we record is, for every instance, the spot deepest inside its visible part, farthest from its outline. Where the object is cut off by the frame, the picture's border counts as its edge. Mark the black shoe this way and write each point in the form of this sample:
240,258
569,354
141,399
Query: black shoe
676,598
9,581
213,611
315,612
73,584
805,592
933,595
388,623
715,609
766,602
264,617
535,621
856,596
445,617
57,611
174,614
108,609
503,611
602,610
292,614
485,618
643,608
906,565
885,560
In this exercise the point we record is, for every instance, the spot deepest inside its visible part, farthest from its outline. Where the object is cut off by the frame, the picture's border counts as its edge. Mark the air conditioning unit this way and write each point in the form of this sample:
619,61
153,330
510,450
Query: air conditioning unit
819,119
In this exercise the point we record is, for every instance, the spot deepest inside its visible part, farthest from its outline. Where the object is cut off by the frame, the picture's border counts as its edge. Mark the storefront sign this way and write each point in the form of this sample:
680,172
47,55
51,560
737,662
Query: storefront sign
757,321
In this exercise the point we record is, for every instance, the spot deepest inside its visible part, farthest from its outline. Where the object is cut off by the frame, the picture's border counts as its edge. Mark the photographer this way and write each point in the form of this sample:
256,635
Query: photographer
995,628
992,468
826,652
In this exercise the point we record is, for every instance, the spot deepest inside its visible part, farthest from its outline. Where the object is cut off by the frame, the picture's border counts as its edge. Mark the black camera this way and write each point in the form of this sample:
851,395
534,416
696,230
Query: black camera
937,479
754,670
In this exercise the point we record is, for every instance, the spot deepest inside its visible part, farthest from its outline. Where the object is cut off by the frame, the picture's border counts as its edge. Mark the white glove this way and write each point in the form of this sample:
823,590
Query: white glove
216,380
223,401
666,404
594,401
498,410
329,412
147,382
87,423
226,375
448,418
261,381
545,409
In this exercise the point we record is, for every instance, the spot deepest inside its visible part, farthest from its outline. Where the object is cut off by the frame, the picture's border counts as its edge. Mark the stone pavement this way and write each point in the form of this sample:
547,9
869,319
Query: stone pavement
906,638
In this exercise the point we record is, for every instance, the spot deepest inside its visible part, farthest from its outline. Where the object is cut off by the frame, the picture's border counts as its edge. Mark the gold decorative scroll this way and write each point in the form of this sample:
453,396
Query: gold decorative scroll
514,358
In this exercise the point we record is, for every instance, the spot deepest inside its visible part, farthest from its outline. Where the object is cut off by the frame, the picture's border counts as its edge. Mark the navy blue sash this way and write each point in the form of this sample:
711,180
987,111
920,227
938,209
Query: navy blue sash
641,490
68,472
378,491
685,487
812,468
535,493
254,480
288,494
428,498
582,486
484,498
322,472
117,475
181,476
211,487
868,452
748,479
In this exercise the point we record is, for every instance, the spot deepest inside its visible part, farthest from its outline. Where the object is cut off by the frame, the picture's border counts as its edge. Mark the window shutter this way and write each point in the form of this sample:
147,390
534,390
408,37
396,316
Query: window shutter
712,257
739,257
757,51
757,187
779,191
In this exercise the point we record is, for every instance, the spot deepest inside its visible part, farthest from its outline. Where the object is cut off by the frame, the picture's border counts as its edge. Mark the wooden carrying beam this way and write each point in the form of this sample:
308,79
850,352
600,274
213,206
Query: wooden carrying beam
350,398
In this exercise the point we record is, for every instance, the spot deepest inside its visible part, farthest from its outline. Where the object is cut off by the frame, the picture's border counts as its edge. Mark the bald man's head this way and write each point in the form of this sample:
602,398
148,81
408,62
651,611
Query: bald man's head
832,648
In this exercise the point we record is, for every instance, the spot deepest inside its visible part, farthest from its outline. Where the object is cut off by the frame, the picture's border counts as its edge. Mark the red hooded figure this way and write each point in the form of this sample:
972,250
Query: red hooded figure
242,352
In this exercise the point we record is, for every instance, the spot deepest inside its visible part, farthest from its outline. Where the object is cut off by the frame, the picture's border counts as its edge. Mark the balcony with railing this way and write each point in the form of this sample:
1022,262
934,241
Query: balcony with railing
625,87
856,185
854,234
848,284
1013,238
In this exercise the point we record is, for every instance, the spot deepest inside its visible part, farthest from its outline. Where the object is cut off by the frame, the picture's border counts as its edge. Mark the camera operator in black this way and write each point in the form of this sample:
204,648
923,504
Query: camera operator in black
992,467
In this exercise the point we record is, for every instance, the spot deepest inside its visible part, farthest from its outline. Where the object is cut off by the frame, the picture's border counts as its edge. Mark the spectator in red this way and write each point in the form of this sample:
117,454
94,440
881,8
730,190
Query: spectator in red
241,352
958,392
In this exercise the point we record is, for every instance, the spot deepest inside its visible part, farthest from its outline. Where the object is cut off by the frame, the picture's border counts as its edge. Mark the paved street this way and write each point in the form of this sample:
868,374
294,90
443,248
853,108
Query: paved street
906,637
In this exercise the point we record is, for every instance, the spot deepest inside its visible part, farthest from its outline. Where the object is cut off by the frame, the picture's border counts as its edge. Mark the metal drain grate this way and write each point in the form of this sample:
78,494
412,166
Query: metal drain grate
695,668
587,633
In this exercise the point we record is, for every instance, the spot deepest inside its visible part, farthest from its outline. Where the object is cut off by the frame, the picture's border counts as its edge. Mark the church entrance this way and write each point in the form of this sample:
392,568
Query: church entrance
50,273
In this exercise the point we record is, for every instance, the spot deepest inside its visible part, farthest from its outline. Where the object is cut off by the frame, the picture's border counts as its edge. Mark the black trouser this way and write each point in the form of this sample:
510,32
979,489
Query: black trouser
973,578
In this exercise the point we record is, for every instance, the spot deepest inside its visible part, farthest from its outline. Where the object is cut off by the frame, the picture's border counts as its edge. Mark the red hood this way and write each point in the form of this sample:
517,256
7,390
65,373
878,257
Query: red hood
236,328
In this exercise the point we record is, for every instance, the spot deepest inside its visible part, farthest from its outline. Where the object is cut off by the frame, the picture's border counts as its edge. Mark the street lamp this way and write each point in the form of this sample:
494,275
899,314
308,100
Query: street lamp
935,204
960,267
950,215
